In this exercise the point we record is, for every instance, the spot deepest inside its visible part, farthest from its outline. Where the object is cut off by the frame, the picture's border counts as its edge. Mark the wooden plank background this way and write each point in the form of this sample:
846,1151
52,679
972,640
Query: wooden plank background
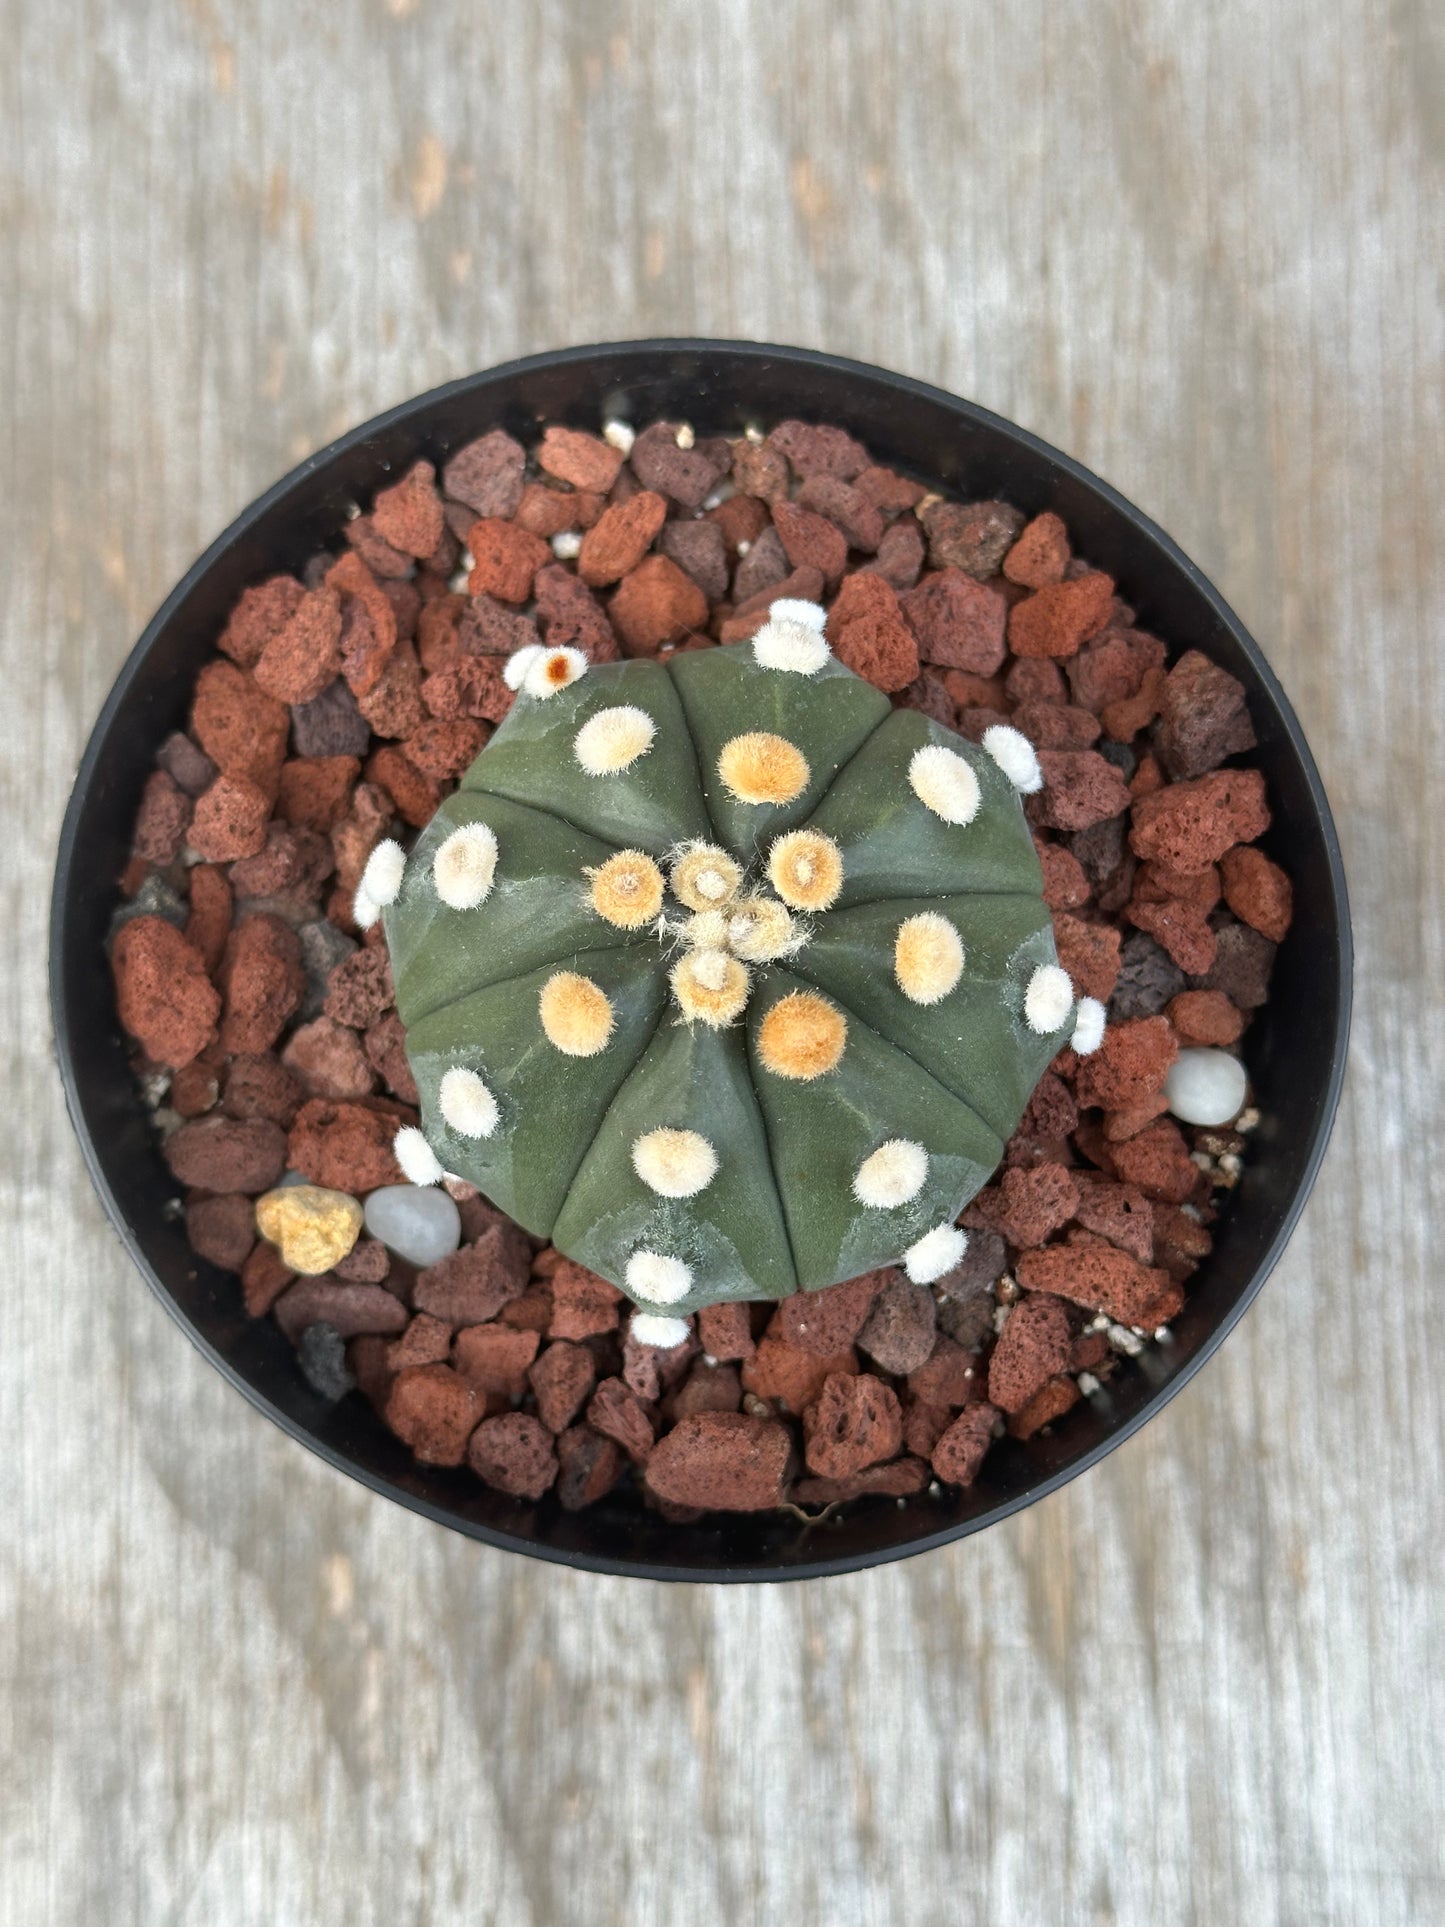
1198,246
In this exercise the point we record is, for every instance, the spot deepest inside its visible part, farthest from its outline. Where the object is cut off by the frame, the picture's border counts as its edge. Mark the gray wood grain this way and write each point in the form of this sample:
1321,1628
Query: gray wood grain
1200,247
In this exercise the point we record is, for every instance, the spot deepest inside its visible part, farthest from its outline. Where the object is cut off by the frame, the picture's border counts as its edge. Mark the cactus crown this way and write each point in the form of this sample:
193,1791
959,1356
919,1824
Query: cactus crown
725,975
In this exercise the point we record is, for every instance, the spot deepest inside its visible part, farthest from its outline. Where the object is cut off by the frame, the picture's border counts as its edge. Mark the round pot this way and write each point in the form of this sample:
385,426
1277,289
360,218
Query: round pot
1295,1048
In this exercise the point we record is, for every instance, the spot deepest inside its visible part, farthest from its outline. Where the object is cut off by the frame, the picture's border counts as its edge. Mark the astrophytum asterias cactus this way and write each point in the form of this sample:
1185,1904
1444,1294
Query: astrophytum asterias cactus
724,974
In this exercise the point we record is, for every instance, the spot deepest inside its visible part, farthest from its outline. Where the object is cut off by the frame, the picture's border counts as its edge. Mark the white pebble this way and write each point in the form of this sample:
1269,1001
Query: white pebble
1205,1087
421,1226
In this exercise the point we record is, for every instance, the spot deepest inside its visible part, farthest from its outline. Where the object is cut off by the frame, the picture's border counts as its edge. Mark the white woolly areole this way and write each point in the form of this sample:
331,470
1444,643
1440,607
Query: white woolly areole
784,643
935,1254
364,912
1014,754
1048,1000
514,672
658,1279
708,930
812,615
381,879
613,739
1088,1026
653,1328
944,783
466,1103
896,1172
927,957
419,1162
710,969
464,866
675,1164
554,669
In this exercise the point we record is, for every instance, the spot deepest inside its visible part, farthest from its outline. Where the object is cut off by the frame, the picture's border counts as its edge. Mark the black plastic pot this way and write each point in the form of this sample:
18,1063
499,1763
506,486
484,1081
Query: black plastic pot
1295,1049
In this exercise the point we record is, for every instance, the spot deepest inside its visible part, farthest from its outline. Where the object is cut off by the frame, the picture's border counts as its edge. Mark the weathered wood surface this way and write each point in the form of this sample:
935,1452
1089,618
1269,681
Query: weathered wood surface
1201,248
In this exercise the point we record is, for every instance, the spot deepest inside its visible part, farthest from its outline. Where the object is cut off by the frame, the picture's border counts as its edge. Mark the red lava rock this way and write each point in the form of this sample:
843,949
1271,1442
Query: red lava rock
858,520
1157,1160
893,1481
741,519
262,612
1205,1017
375,551
328,1060
1058,620
346,1147
589,1466
1203,717
868,633
1124,719
949,1376
1181,928
1056,725
810,541
1117,1212
504,559
1130,1064
923,1426
707,1388
721,1462
1041,553
803,585
621,538
583,461
655,603
495,1358
259,1085
370,628
227,1154
823,1322
305,657
472,1284
445,749
764,565
569,614
1188,826
222,1229
619,1414
415,796
514,1453
1034,1344
385,1047
686,475
1035,679
1258,892
532,1312
814,448
1241,966
438,629
1051,1112
263,1279
961,1451
651,1370
261,981
1112,669
546,512
434,1410
395,707
898,1333
240,727
162,820
473,689
488,475
195,1089
959,622
1093,1273
367,1263
788,1375
315,791
332,725
760,472
972,536
350,1309
360,989
854,1422
230,820
1050,1402
928,695
409,514
889,491
699,551
1090,954
291,867
187,765
561,1379
1027,1206
582,1303
426,1341
1080,789
900,555
726,1330
164,998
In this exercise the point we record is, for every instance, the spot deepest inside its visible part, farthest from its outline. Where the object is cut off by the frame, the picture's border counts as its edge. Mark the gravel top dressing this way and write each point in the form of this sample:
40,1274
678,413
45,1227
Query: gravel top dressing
340,713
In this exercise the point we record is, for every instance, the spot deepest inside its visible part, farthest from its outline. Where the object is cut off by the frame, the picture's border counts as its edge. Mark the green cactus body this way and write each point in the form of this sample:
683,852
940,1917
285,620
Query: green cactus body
725,975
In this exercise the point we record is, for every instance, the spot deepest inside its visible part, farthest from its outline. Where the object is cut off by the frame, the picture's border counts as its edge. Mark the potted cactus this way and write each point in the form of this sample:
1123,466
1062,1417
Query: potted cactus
723,974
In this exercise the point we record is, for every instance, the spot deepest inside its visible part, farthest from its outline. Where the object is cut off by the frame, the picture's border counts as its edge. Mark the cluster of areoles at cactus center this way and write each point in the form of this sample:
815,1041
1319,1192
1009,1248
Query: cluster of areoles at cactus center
722,973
